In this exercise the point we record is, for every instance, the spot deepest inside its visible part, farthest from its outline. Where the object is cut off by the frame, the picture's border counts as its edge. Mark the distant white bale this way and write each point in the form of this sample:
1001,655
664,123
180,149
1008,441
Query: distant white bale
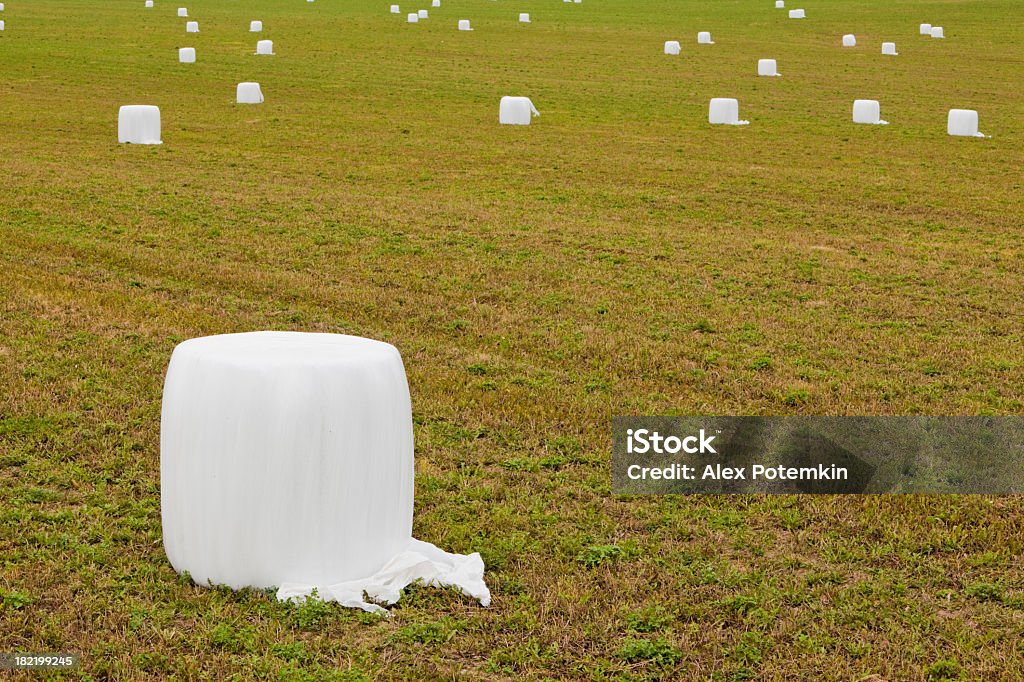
963,123
516,111
849,40
725,111
889,48
187,55
182,11
192,27
671,47
435,3
796,14
248,93
767,67
138,124
149,3
524,18
868,111
2,26
704,38
937,32
577,1
1,7
255,27
413,18
264,47
464,25
422,14
780,4
395,9
925,29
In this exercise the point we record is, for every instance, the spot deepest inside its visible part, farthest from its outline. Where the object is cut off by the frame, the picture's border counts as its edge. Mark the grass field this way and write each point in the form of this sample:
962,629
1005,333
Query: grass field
619,256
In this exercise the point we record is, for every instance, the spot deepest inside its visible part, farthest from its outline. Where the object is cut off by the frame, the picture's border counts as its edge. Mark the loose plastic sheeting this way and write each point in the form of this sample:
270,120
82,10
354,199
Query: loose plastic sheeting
413,18
889,48
868,111
780,4
516,111
187,55
286,460
395,9
264,47
963,123
255,26
422,14
704,38
849,40
192,27
672,47
767,67
524,18
725,111
138,124
925,29
797,14
937,32
182,11
248,93
464,25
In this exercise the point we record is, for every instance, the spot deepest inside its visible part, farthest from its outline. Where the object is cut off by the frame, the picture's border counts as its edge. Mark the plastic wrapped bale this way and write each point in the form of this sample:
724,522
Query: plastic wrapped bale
138,124
182,12
704,38
187,55
868,111
435,3
286,460
780,4
889,49
422,14
516,111
725,111
192,27
265,47
255,27
395,9
3,26
464,25
937,32
963,123
797,14
925,29
849,40
767,67
524,18
413,18
672,47
149,3
248,93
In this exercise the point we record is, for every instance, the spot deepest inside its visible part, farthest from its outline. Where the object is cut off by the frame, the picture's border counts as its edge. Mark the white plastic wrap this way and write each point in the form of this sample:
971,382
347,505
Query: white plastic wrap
524,18
248,93
937,32
725,111
780,4
868,111
925,29
255,26
889,48
423,14
3,26
849,40
286,460
187,55
149,3
672,47
138,124
265,47
767,67
704,38
413,18
395,9
963,123
797,14
435,3
464,25
516,111
182,11
191,27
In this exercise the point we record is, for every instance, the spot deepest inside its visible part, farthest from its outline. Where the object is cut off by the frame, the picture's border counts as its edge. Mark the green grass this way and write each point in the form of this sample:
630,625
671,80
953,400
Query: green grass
620,256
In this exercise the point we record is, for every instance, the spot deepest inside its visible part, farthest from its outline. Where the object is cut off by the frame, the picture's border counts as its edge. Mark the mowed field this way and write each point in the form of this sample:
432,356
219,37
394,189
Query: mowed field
618,256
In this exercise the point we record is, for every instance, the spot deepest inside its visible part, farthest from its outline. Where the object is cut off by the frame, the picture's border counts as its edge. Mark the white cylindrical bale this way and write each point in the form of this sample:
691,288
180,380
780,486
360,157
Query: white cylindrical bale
422,14
149,3
937,32
963,123
672,47
780,4
889,48
192,27
435,3
187,55
182,12
704,38
767,67
867,111
516,111
725,111
413,18
524,18
797,14
395,9
464,25
925,29
138,124
849,40
265,47
255,26
248,93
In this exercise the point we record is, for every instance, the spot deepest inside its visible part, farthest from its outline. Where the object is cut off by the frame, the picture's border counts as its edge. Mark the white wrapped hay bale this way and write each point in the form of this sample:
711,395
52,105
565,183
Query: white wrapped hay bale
286,460
767,67
187,55
413,18
780,4
725,111
435,3
889,48
849,40
3,26
524,18
395,9
192,27
925,29
255,26
265,47
138,124
516,111
248,93
422,14
672,47
937,32
704,38
182,11
149,3
797,14
963,123
464,25
868,111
